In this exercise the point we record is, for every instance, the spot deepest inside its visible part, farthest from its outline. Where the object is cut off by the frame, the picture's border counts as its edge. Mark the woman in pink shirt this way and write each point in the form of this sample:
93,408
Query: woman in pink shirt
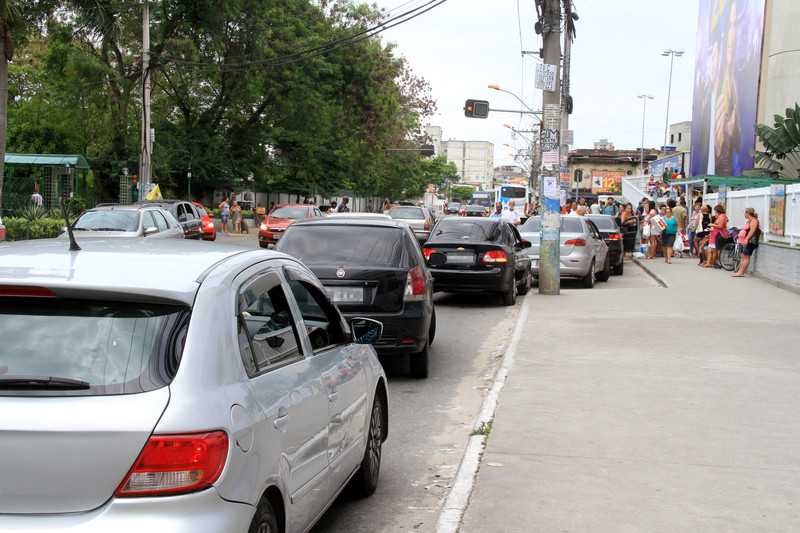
719,232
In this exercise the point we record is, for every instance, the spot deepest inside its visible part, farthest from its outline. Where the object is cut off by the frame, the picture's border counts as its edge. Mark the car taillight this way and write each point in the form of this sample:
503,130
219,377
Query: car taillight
495,256
415,285
427,252
176,464
26,292
615,237
575,242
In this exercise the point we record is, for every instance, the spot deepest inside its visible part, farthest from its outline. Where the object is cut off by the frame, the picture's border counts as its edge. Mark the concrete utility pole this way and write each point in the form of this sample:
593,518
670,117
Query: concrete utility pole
145,162
550,248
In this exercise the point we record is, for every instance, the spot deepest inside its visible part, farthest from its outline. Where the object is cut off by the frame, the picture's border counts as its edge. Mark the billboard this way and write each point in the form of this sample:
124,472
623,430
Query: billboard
607,181
726,77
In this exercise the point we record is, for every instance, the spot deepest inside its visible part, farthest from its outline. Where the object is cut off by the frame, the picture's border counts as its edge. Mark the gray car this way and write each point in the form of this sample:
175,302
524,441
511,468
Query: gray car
127,221
168,386
584,254
419,219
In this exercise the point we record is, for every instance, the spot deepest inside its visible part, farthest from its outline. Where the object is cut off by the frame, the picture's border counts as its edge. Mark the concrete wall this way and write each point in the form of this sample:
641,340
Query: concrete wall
779,264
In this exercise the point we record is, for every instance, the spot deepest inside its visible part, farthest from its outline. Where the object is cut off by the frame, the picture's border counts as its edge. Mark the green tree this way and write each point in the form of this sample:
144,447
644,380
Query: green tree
781,155
462,193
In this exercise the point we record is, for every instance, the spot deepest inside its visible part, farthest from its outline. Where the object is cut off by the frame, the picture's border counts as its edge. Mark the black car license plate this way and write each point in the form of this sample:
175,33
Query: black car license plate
346,295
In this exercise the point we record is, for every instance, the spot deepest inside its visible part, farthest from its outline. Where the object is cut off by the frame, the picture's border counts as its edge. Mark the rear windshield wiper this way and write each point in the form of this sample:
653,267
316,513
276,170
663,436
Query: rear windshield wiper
42,383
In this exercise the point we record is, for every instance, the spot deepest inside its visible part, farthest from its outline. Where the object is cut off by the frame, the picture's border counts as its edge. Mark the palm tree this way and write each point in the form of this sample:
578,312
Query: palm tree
781,155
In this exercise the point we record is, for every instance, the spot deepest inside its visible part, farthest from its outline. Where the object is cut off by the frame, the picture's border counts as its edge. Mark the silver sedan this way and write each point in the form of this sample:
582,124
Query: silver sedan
169,386
583,255
128,221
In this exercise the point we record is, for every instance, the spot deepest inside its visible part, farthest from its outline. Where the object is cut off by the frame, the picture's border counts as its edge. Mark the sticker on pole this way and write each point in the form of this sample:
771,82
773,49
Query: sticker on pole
550,187
546,77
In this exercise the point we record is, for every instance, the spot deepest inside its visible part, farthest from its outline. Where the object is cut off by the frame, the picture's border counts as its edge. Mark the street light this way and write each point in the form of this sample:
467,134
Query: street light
644,98
518,132
672,54
496,87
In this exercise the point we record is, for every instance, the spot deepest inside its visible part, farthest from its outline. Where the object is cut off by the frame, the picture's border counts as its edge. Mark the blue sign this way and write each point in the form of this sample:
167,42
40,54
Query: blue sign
674,162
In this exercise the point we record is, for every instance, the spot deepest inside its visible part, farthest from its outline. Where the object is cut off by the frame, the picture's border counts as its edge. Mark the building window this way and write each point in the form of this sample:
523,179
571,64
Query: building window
672,138
680,135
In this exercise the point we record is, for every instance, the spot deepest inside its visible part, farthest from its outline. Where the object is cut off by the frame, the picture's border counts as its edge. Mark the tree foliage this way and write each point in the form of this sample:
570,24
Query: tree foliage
781,156
234,96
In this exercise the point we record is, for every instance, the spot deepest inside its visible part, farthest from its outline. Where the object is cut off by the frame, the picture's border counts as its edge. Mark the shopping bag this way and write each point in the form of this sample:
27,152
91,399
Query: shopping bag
646,231
658,220
678,246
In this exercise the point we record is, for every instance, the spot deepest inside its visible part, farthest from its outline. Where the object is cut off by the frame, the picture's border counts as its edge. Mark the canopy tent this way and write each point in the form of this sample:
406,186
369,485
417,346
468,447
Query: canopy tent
55,174
733,182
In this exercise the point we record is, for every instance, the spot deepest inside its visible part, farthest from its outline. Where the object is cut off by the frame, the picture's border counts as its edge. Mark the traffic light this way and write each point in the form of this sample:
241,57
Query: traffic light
578,175
476,109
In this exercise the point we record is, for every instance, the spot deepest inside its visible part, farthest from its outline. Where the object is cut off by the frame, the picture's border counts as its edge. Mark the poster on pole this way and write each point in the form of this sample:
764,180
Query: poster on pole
777,209
546,77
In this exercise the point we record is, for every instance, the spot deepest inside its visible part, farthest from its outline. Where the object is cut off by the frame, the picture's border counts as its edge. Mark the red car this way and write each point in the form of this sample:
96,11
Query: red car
208,227
280,218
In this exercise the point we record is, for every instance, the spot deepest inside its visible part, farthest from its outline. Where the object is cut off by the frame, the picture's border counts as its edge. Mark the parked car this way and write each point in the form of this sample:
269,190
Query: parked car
583,253
612,235
473,211
361,216
418,218
171,386
207,222
479,255
453,208
185,213
276,222
2,231
127,221
372,268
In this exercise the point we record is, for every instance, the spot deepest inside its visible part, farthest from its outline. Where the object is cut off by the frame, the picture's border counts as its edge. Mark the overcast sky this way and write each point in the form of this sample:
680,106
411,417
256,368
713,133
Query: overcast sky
463,45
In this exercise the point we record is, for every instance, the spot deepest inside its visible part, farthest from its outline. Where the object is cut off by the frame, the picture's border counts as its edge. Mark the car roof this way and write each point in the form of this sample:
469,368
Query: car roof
136,270
307,206
360,216
472,220
356,221
119,207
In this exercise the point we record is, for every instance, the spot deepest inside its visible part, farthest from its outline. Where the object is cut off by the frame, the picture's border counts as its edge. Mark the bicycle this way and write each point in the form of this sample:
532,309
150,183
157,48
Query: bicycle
730,256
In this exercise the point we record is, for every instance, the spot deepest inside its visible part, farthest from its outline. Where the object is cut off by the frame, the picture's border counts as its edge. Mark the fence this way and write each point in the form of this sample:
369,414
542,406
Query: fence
759,199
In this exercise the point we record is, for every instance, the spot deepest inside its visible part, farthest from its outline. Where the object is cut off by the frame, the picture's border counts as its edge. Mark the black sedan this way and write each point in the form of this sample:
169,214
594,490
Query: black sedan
612,235
372,268
479,255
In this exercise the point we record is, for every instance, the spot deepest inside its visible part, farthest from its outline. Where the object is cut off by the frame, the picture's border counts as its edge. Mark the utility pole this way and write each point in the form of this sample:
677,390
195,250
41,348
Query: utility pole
549,197
644,98
145,161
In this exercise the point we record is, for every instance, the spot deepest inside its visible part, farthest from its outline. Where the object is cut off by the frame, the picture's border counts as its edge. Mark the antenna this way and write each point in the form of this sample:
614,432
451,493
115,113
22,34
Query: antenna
73,244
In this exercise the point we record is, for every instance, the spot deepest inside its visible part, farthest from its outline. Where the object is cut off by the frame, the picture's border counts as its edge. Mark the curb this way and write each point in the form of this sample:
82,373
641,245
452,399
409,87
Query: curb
457,501
650,273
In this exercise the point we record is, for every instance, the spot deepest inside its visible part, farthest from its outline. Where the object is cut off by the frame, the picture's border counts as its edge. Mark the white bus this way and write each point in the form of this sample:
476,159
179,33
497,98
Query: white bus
519,193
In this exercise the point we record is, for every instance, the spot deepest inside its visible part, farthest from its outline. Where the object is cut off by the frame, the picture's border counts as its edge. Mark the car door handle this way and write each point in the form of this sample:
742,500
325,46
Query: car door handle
282,418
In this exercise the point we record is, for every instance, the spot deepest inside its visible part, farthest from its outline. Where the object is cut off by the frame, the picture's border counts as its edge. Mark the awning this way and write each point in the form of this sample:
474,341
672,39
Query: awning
734,182
48,160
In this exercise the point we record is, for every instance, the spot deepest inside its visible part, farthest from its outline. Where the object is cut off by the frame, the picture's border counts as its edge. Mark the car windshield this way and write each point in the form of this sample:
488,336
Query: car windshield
568,225
295,213
604,223
117,348
108,220
343,244
406,213
465,230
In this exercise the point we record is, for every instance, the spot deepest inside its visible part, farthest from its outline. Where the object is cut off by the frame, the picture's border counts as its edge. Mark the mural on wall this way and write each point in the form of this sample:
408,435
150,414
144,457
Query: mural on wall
729,39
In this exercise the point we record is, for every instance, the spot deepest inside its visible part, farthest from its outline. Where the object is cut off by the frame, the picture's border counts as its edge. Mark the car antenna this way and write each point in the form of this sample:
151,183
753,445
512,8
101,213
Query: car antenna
73,244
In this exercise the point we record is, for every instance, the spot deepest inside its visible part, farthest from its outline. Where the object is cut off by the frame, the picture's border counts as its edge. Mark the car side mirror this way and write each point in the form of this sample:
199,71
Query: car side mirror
437,259
150,231
366,330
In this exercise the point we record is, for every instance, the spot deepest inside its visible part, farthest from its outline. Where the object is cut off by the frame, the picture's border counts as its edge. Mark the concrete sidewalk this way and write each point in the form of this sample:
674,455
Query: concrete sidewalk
649,410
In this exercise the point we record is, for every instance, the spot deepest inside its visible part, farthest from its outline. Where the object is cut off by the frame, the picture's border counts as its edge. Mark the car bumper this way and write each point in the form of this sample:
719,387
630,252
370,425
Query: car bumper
403,333
189,513
269,238
471,281
571,266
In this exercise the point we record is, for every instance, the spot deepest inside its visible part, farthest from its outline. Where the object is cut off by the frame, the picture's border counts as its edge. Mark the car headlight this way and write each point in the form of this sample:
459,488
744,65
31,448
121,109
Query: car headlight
263,227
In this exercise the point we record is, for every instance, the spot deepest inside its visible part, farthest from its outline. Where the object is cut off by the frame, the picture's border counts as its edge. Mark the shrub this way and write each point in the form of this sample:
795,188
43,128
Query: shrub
18,228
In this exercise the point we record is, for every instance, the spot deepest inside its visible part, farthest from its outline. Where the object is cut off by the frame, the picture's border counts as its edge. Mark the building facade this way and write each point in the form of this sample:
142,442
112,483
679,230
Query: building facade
434,133
510,174
473,159
603,170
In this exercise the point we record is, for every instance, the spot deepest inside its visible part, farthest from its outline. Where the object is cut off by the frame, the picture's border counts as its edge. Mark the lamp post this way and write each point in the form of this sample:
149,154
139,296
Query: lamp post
644,98
189,184
672,54
496,87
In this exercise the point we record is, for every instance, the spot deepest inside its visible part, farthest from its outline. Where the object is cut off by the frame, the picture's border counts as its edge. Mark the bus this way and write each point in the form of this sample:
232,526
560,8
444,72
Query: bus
483,198
519,193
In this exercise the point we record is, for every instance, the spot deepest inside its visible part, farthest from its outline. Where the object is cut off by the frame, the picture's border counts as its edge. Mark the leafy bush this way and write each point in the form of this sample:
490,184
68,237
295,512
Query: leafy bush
18,228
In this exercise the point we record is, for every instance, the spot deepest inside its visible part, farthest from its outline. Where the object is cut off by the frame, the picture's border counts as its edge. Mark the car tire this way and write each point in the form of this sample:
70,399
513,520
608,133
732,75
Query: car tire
526,287
365,482
510,296
264,521
619,269
589,278
261,244
418,364
606,272
432,329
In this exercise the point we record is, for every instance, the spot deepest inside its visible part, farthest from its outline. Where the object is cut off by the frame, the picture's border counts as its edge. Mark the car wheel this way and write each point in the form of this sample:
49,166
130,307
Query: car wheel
589,278
418,364
618,269
526,287
606,272
432,330
263,245
264,520
510,296
365,481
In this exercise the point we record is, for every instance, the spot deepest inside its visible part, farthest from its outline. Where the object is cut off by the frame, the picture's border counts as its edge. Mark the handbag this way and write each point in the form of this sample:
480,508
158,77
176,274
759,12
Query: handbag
678,246
646,231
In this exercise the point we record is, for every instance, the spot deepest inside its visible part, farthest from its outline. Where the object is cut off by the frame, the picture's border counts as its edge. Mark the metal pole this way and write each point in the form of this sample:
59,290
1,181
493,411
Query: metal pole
645,98
549,255
669,96
146,147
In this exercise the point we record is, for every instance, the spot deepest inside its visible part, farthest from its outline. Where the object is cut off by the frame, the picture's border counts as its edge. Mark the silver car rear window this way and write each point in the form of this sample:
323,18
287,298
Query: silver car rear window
117,348
407,213
108,220
568,225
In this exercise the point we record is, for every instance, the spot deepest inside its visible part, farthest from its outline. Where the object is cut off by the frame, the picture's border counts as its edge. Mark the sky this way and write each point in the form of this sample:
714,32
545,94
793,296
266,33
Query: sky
462,46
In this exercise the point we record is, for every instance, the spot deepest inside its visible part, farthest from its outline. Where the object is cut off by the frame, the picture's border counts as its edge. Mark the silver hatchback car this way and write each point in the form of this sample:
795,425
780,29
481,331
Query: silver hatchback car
127,221
167,386
584,254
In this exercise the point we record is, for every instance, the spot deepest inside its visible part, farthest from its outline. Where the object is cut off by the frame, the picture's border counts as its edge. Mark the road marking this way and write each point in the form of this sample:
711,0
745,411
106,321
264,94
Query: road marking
455,505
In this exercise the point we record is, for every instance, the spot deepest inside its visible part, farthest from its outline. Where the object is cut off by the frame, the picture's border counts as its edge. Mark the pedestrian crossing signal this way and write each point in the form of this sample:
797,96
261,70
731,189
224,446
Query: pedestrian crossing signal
476,109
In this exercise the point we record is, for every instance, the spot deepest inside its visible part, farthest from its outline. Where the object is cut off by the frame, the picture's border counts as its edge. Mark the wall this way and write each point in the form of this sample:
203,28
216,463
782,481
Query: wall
779,265
473,159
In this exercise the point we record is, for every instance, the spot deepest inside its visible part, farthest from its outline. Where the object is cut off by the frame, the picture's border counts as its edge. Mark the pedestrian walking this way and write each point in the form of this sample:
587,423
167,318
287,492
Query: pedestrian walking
748,240
343,207
694,226
224,213
719,232
628,223
236,215
511,216
595,208
669,234
36,198
702,232
610,208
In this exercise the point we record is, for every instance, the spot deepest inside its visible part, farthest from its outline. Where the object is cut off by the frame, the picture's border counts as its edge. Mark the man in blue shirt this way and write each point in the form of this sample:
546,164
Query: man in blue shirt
610,208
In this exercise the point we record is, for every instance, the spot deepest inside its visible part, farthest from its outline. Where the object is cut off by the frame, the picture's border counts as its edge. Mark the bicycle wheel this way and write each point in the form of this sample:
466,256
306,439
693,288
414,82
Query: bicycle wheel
728,257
